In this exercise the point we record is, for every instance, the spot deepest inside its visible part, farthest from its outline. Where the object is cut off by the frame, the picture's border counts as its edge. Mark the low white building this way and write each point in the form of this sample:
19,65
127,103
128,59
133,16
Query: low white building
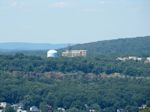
34,109
121,110
52,54
61,109
143,106
92,110
122,58
3,105
147,60
134,58
20,110
17,106
139,59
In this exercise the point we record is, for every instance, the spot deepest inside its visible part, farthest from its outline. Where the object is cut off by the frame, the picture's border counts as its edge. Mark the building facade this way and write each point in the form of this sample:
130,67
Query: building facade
74,53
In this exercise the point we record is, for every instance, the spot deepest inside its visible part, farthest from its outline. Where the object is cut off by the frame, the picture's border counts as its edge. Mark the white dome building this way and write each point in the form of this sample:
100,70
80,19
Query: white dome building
52,54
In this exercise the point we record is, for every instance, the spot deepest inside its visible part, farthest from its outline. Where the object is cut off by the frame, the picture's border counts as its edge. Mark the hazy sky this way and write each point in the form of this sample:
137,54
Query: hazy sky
72,21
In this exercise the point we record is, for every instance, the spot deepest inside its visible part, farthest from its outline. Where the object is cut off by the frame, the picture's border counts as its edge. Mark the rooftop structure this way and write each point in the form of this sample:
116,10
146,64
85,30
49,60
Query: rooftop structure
52,54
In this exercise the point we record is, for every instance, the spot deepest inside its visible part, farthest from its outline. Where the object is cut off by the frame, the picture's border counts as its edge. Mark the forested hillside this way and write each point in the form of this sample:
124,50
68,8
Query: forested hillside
76,84
98,65
75,94
98,81
128,46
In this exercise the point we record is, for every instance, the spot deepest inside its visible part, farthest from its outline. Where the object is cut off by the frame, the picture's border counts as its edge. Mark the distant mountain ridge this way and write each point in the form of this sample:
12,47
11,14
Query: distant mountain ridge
139,46
117,47
30,46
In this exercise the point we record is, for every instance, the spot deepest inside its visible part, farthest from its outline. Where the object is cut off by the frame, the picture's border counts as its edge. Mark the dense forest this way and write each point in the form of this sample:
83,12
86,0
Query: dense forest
40,53
74,93
74,83
118,47
97,65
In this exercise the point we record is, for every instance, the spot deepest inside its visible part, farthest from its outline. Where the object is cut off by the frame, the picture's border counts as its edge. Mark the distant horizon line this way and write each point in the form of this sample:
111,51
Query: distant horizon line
21,42
33,42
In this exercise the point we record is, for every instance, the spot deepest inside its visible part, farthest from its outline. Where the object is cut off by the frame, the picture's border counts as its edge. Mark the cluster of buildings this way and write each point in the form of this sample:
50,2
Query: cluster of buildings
139,108
18,108
129,58
134,58
83,53
67,53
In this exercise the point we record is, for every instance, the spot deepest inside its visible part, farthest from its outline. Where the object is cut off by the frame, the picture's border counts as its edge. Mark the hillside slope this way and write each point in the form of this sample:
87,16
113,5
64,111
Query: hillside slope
30,46
128,46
